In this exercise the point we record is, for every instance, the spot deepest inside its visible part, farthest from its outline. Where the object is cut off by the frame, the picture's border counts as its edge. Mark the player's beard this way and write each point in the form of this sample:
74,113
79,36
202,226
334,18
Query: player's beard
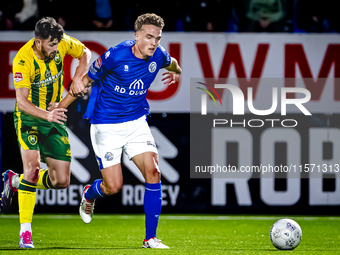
49,57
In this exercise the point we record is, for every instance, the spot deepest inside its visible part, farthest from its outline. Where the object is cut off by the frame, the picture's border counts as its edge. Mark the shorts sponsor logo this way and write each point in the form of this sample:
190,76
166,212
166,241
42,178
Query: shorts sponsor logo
151,143
152,67
18,77
109,156
32,132
33,139
65,140
68,153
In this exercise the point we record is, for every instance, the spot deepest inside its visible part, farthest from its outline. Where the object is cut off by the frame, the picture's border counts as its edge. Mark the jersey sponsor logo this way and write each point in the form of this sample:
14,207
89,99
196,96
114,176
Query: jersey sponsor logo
109,156
98,63
18,77
33,139
152,67
137,84
107,54
93,70
48,73
48,80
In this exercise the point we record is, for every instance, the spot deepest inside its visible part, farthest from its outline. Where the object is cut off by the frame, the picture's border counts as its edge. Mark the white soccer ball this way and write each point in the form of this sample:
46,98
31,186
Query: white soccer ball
285,234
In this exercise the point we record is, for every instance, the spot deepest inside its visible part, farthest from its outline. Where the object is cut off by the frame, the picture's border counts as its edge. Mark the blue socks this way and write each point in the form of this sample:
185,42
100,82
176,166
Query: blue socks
152,208
94,191
152,204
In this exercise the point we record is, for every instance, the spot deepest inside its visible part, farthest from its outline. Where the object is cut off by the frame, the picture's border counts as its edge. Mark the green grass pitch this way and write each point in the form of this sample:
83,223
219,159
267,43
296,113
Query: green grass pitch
185,234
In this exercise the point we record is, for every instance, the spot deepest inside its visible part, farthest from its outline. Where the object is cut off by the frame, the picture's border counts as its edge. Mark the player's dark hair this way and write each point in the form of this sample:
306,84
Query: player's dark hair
148,19
47,27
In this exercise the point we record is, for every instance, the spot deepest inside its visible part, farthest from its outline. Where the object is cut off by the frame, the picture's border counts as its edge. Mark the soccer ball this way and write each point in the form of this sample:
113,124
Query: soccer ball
285,234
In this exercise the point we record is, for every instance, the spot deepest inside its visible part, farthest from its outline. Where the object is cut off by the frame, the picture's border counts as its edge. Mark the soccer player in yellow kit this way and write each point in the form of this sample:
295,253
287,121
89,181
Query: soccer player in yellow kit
39,80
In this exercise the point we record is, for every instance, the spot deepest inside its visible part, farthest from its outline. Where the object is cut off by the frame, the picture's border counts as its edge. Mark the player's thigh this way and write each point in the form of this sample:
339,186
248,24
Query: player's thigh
112,179
59,172
147,163
107,144
56,145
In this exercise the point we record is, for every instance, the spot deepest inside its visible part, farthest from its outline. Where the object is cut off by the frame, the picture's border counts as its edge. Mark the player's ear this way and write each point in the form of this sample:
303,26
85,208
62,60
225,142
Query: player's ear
38,43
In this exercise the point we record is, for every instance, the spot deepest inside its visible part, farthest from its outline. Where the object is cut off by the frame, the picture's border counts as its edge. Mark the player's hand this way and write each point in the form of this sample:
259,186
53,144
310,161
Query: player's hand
170,78
57,115
52,106
78,88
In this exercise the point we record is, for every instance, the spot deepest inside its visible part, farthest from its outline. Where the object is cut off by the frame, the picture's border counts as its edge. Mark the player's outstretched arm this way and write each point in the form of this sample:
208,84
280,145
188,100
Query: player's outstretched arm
77,86
56,115
87,82
174,73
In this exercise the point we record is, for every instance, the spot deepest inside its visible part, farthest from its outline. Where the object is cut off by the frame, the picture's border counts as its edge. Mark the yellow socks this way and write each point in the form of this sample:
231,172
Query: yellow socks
27,197
43,181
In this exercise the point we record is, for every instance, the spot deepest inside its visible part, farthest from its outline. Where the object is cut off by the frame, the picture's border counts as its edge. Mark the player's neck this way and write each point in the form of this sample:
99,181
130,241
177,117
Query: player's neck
38,53
137,52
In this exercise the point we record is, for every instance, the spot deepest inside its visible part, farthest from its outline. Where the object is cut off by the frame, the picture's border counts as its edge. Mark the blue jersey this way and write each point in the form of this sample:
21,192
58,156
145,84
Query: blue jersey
121,84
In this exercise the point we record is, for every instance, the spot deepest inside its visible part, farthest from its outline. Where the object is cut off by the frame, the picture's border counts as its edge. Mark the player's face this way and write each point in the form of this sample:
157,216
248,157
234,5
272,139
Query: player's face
147,40
48,48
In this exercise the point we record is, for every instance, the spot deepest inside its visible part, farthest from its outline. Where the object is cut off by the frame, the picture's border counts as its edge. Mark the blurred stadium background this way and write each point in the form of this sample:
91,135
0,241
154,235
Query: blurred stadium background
237,40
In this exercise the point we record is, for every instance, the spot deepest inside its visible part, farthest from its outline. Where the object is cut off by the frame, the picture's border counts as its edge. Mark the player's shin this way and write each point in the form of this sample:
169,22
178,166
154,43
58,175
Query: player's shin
26,198
152,208
94,191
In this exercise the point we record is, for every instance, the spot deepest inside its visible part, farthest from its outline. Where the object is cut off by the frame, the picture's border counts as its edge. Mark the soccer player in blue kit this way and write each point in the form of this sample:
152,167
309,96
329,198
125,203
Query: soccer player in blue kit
117,111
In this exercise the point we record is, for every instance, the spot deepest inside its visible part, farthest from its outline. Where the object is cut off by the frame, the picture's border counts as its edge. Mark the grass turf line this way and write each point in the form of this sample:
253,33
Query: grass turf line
185,234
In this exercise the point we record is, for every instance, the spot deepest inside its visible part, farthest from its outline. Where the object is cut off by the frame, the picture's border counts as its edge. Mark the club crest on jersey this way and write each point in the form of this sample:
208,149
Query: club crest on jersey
18,77
109,156
98,63
32,139
152,67
57,59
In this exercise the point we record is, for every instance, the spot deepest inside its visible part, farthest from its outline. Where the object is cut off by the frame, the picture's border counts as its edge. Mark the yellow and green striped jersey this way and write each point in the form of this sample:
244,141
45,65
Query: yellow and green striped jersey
45,81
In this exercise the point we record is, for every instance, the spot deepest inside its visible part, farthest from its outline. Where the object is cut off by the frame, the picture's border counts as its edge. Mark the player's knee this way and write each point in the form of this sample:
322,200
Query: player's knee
31,173
112,188
152,175
61,183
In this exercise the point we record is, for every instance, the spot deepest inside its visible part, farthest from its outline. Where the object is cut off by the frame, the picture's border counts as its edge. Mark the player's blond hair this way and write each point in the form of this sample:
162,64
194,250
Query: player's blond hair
148,19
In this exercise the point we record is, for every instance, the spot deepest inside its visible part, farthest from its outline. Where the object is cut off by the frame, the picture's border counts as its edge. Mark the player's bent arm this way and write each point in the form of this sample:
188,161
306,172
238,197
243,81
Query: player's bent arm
87,81
77,85
66,101
174,66
57,115
174,73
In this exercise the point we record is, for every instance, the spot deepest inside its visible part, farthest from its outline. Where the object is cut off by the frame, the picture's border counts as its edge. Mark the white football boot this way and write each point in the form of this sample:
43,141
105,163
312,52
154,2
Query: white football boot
154,243
86,207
